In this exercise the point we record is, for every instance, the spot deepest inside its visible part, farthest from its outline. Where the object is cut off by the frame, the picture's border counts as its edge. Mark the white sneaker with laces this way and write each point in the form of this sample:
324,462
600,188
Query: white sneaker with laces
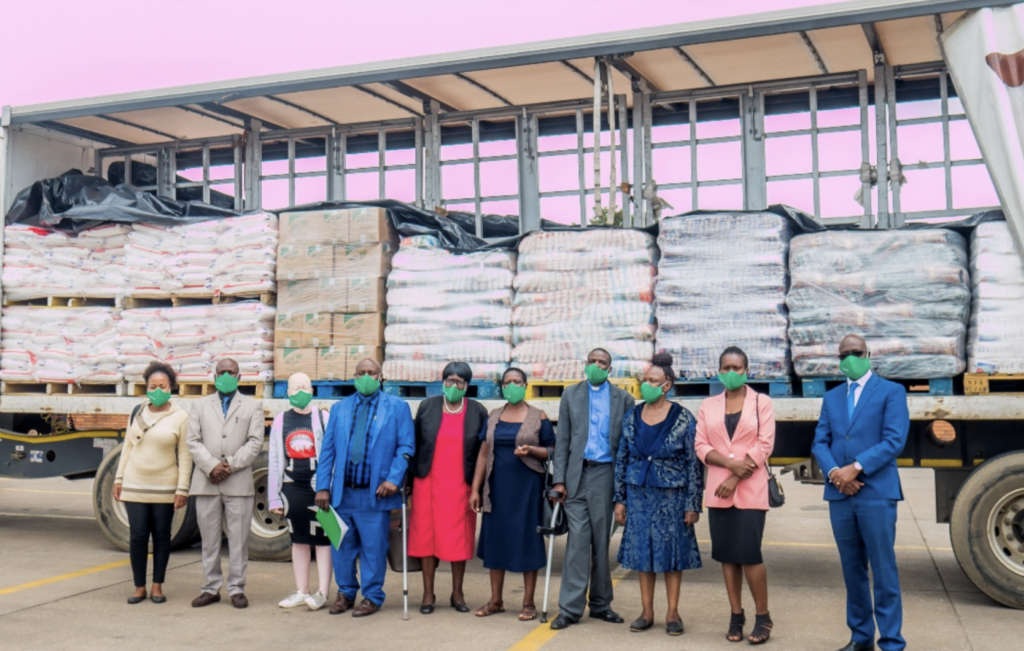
295,599
316,601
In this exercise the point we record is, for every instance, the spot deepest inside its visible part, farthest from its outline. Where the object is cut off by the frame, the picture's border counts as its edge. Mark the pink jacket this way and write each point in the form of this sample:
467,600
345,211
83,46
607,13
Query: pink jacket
752,492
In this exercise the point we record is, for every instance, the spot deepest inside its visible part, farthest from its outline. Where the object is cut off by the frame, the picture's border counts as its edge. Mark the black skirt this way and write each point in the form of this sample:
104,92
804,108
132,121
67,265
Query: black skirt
736,535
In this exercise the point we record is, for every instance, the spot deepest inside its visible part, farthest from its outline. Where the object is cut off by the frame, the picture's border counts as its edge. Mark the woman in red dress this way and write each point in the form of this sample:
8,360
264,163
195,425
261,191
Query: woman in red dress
442,527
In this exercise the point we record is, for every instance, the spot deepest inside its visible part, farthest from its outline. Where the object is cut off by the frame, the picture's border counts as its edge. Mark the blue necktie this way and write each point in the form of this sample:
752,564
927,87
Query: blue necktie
225,401
851,401
359,435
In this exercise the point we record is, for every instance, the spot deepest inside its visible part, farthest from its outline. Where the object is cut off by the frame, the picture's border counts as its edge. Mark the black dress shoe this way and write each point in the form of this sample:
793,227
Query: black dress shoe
674,628
459,608
159,600
609,616
427,610
136,600
857,646
640,625
561,622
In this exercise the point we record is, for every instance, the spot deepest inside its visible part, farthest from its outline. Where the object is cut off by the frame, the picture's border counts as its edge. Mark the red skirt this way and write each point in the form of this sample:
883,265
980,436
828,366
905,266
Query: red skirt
441,523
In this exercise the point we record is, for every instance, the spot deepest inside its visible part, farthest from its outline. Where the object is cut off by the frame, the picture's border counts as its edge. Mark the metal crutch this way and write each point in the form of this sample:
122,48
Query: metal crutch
550,531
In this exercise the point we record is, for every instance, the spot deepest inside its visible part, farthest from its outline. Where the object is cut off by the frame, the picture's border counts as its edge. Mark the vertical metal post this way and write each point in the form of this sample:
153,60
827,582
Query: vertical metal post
648,215
895,167
692,110
865,150
343,166
947,163
239,176
418,154
627,218
128,169
881,147
206,173
529,182
475,128
815,172
97,163
165,173
581,166
291,172
335,173
755,181
639,173
382,167
253,165
432,158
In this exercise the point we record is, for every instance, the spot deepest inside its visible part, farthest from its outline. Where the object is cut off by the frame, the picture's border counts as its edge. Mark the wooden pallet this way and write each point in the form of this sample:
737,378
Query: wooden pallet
816,387
979,384
780,387
478,389
200,389
169,299
553,389
63,388
322,389
61,301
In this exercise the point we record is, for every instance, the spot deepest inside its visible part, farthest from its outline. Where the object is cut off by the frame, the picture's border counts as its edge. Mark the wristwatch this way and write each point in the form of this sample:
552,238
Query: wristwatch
856,464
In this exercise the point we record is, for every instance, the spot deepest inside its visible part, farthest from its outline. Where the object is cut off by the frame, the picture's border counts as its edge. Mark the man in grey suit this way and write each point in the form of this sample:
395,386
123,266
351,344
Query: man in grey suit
225,435
586,441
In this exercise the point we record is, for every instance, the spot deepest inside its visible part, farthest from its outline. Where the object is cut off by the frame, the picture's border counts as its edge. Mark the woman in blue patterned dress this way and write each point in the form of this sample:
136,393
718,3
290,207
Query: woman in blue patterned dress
659,488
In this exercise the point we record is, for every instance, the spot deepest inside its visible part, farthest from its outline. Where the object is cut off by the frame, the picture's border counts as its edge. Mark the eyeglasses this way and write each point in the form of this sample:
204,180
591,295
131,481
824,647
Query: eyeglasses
455,383
854,353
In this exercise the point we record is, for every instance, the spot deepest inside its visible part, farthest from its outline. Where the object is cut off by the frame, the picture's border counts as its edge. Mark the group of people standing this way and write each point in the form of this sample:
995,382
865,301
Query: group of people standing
649,467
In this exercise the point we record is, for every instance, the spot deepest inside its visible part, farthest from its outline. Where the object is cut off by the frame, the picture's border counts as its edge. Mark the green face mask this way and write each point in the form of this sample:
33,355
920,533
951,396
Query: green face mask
226,383
650,393
367,385
514,393
158,397
595,374
300,399
855,367
732,380
453,393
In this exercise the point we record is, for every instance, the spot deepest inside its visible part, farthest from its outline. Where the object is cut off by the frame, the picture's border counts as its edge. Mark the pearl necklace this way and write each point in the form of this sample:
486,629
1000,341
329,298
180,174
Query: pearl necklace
462,403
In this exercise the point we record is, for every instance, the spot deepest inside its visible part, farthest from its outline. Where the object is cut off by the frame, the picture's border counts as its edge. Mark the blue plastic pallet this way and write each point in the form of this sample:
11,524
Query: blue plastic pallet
816,387
781,387
478,389
322,389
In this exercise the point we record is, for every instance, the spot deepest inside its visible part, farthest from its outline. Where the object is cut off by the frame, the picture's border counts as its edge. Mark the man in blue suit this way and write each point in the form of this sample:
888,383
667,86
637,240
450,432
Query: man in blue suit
862,429
366,448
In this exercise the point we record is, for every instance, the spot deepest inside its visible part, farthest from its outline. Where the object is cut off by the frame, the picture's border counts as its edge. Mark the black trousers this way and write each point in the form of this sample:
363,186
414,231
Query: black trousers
144,521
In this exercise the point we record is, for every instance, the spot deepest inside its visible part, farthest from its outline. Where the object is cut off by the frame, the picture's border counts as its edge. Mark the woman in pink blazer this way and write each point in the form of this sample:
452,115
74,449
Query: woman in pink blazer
735,436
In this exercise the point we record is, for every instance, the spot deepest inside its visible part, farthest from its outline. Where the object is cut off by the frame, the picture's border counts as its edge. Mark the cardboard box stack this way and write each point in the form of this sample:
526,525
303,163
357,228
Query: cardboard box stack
332,266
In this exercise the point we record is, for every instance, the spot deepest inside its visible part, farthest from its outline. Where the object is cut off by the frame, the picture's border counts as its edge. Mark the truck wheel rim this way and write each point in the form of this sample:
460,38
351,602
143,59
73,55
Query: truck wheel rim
1006,531
264,523
120,512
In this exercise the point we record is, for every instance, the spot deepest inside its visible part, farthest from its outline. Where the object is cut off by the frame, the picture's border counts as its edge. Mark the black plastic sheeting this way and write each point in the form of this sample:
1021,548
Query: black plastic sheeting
74,201
145,174
801,221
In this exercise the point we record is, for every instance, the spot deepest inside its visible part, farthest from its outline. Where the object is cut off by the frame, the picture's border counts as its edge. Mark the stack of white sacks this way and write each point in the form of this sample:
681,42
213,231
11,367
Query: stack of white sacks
59,345
193,339
40,263
722,282
995,340
580,290
444,307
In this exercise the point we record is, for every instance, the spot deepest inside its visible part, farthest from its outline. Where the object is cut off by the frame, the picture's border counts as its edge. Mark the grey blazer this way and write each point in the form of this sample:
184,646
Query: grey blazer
573,430
236,438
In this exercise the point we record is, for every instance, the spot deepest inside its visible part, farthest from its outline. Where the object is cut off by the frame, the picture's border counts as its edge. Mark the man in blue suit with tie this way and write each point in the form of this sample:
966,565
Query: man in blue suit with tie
863,428
366,448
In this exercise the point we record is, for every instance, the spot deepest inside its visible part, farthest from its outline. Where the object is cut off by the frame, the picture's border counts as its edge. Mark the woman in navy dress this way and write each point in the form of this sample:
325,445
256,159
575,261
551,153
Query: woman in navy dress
508,489
659,487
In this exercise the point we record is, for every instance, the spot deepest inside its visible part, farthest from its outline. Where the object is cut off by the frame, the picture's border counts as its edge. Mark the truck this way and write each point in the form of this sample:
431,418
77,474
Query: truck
678,117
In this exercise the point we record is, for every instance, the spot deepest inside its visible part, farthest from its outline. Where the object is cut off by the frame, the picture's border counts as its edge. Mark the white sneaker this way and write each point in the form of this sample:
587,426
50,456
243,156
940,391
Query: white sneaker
295,599
316,601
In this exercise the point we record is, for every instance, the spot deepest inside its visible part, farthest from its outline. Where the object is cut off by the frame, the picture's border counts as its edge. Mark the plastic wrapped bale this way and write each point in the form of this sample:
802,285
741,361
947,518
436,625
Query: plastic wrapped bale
906,292
580,290
59,345
722,281
40,262
995,339
446,307
193,339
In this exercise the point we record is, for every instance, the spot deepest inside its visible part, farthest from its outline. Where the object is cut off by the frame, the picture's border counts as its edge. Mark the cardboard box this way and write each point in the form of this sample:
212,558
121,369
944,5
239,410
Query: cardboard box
316,330
288,330
298,296
349,295
358,329
300,261
350,225
339,362
294,360
352,260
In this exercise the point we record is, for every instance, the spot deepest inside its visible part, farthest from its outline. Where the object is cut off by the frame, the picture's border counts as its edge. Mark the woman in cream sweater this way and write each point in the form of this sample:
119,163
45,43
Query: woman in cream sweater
153,477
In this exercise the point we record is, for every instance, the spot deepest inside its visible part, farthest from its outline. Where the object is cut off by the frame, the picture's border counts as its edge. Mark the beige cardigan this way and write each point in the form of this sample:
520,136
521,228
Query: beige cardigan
155,463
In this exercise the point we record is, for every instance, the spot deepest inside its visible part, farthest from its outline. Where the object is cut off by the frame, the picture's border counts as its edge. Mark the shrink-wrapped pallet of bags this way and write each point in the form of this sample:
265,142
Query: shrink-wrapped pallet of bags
39,262
224,256
722,282
580,290
193,339
995,339
59,345
446,307
906,292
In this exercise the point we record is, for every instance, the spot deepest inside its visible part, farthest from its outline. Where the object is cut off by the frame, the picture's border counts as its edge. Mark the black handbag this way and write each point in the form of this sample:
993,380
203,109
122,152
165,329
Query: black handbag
776,496
560,526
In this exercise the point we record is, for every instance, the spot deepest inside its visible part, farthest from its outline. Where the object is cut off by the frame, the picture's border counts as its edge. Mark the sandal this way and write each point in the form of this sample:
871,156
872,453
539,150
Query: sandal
490,608
735,633
763,625
529,613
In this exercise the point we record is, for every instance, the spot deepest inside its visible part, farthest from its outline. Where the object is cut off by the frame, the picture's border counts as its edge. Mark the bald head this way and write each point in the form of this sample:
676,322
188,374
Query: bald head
368,367
299,382
228,366
852,343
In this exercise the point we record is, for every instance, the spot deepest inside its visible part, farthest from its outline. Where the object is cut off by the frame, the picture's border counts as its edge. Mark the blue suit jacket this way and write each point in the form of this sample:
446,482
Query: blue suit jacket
874,436
391,437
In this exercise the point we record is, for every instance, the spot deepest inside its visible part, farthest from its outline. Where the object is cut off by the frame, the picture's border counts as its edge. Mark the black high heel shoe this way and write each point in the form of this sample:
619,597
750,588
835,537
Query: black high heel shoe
459,608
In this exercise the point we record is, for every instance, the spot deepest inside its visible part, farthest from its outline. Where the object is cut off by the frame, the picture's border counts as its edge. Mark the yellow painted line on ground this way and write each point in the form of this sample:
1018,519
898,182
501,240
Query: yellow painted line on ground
33,490
63,577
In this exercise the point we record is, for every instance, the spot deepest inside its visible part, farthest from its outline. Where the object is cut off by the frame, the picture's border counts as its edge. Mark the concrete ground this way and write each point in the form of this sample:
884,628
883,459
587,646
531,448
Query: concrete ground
62,586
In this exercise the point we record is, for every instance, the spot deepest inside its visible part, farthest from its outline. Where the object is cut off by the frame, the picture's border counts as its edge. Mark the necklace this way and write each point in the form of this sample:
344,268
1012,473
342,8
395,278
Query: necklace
462,403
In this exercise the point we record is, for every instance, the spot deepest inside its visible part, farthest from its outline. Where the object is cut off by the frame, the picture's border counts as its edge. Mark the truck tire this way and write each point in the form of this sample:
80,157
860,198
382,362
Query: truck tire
269,539
987,528
113,518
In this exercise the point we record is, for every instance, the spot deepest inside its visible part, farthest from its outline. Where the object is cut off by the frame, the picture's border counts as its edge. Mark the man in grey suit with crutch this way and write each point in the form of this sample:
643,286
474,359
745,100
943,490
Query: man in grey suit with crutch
586,441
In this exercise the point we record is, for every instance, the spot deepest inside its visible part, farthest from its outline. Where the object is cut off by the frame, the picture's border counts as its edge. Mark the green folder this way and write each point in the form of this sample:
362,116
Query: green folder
332,525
